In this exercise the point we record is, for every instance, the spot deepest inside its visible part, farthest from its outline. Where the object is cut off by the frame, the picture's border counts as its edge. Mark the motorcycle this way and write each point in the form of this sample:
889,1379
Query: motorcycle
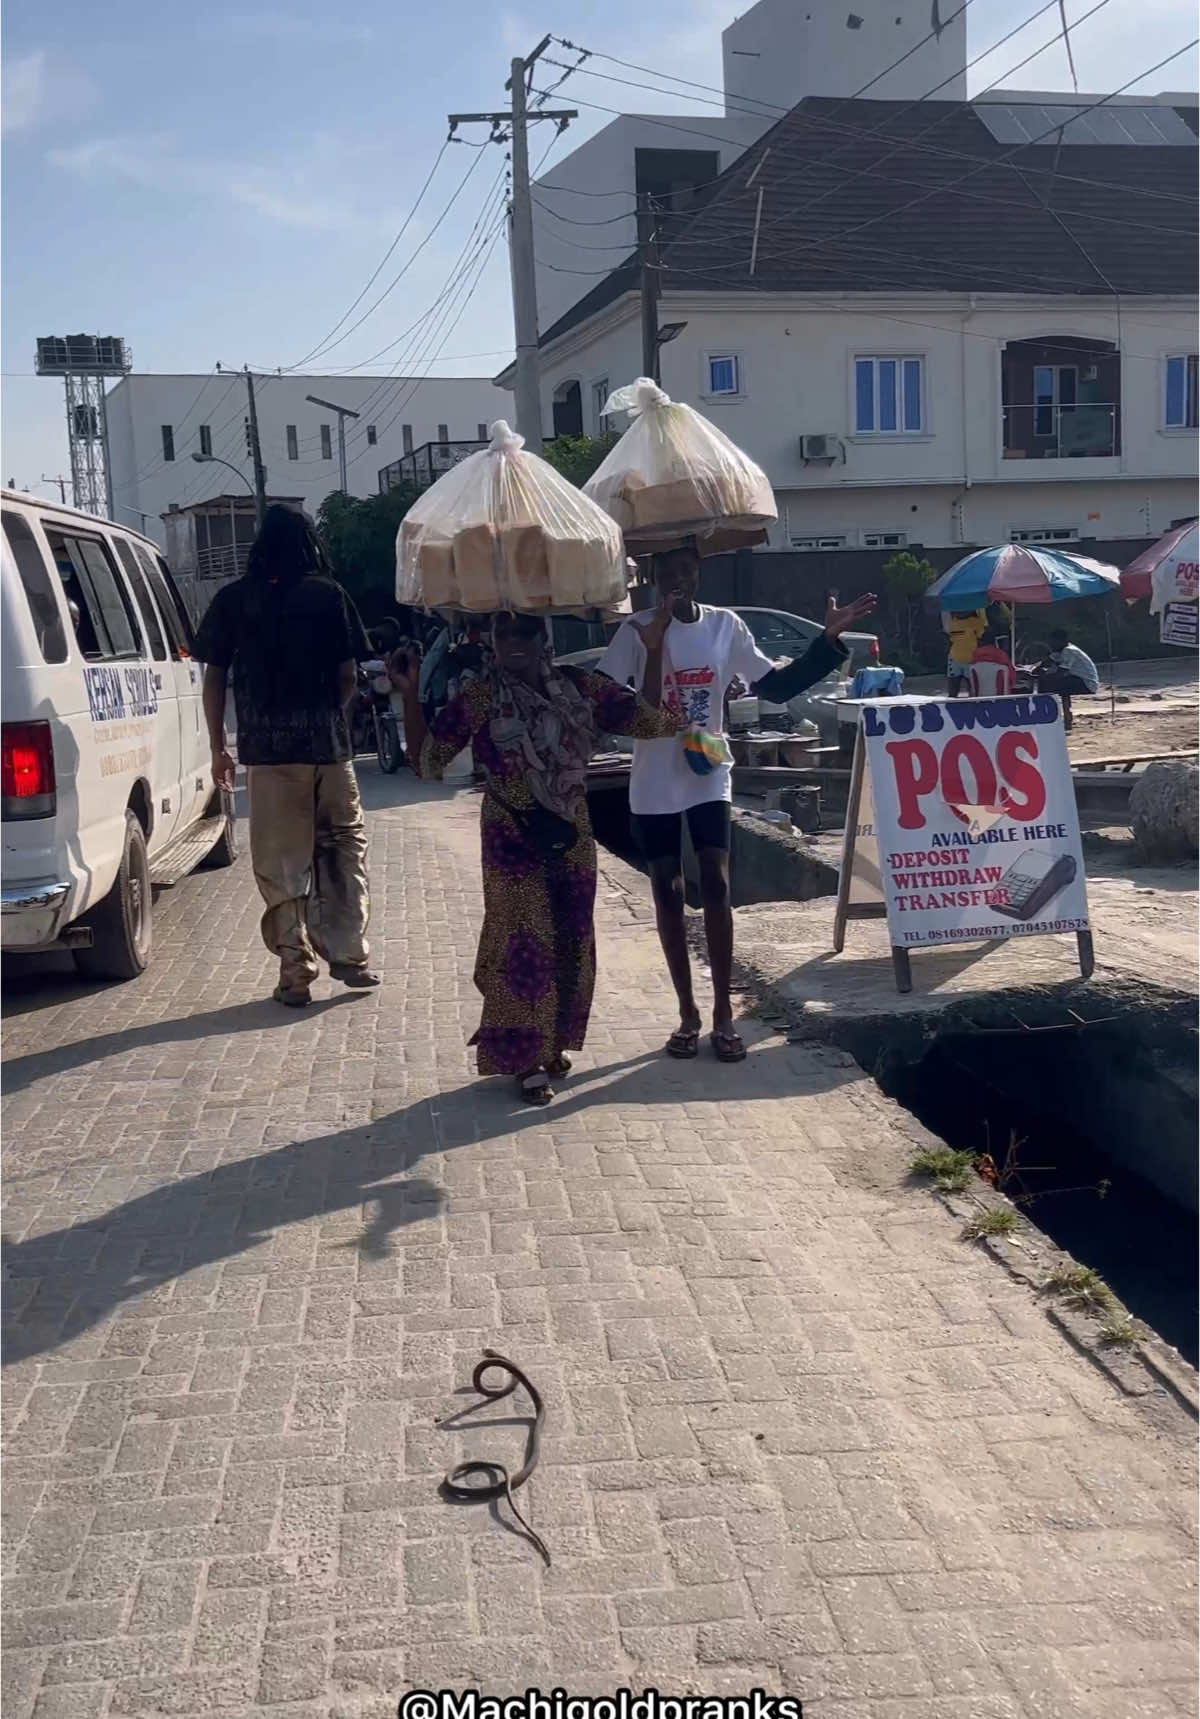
374,726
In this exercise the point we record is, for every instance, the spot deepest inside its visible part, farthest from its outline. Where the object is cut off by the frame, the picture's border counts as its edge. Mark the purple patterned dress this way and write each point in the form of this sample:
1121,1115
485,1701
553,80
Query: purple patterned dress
536,965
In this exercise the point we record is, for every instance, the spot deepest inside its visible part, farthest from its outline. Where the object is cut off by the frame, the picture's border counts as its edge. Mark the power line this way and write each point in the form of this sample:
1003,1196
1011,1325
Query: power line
321,344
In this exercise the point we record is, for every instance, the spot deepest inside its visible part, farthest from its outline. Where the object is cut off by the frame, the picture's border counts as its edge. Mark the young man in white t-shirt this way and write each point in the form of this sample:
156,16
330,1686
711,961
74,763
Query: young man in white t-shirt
703,650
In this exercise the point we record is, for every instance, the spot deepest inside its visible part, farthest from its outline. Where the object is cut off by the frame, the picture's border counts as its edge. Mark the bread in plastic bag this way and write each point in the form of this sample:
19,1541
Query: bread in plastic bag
673,474
504,530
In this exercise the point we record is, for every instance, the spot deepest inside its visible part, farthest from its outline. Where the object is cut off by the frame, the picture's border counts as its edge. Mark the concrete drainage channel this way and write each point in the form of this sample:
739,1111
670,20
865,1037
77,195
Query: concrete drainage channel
1078,1105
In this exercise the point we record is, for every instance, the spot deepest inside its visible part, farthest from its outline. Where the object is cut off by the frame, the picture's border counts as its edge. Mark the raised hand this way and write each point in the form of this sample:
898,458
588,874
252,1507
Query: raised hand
654,631
837,620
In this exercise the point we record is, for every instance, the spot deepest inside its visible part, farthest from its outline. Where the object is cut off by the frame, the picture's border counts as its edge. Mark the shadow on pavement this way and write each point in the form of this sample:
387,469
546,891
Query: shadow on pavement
78,1276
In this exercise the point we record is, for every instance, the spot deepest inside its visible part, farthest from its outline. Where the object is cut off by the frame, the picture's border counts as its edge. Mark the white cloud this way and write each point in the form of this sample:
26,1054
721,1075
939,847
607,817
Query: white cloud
34,95
292,196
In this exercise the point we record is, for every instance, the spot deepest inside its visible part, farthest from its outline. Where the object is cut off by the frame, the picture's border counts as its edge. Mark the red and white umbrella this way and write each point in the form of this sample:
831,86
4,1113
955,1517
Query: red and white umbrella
1167,572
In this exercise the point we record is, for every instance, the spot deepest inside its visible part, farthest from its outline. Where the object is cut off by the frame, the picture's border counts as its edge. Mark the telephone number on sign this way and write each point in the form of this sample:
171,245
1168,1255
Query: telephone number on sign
984,933
622,1704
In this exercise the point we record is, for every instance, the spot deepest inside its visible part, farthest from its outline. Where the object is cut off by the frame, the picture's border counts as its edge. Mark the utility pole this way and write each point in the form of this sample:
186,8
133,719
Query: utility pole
524,275
62,486
647,234
343,412
255,452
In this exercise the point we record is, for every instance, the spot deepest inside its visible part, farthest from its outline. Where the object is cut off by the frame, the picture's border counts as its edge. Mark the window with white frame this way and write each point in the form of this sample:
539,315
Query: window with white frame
1179,391
889,396
293,442
1044,534
817,542
600,393
884,539
724,373
326,442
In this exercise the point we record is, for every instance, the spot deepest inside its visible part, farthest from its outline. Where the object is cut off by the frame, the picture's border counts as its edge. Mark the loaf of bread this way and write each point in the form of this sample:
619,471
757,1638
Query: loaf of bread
674,475
504,530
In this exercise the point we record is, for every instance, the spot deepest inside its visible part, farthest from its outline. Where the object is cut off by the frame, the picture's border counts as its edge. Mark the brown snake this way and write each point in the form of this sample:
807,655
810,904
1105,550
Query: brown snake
498,1483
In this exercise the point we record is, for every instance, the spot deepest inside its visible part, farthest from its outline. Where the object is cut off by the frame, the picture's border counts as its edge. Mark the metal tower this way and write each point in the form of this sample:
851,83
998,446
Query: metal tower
83,361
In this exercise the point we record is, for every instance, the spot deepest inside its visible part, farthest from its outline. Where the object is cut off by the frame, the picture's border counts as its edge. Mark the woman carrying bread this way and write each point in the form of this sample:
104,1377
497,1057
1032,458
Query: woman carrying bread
533,728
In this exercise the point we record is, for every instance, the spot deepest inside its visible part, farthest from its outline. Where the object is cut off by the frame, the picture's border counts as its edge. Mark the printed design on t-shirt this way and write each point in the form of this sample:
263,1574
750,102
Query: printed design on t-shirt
689,695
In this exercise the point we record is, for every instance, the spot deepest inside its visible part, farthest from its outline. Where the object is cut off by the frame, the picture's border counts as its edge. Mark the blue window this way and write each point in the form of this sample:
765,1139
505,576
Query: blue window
723,377
888,396
1180,405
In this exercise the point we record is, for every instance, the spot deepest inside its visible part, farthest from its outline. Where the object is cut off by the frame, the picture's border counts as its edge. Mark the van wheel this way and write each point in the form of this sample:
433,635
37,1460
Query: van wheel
227,847
121,923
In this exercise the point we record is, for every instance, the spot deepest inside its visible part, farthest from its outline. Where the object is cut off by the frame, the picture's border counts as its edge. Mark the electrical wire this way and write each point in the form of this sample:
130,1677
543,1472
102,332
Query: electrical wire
383,261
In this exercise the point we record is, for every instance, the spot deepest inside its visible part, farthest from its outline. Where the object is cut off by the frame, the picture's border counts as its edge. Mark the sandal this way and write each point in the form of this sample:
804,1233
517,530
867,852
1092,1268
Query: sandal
559,1066
535,1088
684,1044
728,1046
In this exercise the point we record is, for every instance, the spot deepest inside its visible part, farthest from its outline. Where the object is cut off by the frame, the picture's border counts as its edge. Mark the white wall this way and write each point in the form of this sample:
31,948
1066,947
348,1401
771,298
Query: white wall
140,404
585,210
782,50
797,366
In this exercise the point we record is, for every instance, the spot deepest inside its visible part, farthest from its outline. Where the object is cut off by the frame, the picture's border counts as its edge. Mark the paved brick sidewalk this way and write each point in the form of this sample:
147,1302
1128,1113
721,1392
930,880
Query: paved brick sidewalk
799,1434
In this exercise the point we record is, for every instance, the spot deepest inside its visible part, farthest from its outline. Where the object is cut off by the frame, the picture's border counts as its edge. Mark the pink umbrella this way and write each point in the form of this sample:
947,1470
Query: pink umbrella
1164,558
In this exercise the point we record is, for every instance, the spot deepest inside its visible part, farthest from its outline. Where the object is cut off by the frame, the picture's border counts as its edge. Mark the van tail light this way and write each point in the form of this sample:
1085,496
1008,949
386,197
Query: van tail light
873,650
27,788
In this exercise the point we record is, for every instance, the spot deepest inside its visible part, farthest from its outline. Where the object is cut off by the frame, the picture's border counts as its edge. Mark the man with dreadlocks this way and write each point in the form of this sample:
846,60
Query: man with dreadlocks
292,638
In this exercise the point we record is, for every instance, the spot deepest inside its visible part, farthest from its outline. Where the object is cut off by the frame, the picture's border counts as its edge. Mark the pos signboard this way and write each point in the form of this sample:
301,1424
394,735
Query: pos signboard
974,829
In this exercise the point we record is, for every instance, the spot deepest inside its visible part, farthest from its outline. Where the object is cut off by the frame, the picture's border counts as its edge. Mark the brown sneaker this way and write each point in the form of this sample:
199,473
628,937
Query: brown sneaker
358,978
292,996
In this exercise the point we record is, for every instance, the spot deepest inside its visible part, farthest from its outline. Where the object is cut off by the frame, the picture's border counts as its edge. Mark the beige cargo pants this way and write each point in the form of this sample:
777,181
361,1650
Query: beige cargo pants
308,846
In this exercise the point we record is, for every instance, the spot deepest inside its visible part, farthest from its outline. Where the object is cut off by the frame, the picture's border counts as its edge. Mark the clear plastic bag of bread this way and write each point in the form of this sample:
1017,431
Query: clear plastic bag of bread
503,530
674,475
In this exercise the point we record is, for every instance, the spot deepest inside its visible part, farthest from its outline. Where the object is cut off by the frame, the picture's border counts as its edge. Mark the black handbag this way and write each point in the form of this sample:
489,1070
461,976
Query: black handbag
542,829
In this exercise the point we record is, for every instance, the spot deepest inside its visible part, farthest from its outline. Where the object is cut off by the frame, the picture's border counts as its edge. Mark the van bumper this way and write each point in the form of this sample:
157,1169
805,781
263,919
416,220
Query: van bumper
32,914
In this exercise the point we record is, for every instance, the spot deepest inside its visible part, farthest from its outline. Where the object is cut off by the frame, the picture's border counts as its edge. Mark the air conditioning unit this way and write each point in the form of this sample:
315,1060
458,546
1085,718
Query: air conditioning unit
820,447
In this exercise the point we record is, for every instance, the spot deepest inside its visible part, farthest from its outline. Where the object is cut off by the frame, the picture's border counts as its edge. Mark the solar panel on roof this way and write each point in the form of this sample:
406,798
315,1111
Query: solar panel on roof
1027,122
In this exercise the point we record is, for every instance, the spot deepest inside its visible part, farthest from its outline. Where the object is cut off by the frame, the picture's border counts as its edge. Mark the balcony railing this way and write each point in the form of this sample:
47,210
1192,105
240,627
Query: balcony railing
426,464
1088,430
227,562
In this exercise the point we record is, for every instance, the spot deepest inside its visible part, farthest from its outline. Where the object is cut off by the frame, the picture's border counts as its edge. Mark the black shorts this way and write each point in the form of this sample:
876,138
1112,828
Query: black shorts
659,835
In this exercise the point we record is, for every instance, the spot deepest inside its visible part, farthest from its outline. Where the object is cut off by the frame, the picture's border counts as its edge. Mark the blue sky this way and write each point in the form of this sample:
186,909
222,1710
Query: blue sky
218,184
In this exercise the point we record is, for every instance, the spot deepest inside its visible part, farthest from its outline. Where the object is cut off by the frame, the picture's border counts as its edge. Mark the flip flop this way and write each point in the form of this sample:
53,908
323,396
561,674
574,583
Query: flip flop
728,1046
683,1046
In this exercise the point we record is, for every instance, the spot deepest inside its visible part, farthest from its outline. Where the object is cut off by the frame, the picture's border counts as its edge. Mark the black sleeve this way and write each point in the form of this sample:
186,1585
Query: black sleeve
822,656
348,636
216,641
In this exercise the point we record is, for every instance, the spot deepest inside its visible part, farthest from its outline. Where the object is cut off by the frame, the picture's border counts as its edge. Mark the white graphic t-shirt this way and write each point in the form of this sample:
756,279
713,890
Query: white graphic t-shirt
700,658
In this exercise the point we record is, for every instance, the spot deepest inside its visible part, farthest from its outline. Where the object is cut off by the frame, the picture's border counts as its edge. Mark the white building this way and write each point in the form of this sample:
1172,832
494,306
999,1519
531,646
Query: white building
953,324
773,55
157,423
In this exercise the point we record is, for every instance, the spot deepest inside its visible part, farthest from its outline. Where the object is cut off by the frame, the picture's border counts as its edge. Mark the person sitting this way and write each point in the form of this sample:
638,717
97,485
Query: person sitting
992,672
1066,671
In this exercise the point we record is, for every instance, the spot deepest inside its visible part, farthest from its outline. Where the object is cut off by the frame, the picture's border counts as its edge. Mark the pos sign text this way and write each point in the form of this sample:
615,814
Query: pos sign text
975,819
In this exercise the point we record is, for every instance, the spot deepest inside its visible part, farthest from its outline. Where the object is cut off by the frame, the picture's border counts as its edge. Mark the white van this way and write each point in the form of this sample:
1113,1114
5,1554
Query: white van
106,772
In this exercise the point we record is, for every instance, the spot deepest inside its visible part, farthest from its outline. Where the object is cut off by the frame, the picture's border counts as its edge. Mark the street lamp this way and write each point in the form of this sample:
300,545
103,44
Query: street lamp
213,460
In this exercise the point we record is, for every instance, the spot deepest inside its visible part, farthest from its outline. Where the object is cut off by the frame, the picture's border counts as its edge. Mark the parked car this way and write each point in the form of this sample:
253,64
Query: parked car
779,634
107,788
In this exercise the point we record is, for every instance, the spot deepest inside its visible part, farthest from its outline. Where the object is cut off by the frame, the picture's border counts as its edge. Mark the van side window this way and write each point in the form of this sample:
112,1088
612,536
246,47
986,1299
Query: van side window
145,603
169,602
99,594
38,587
